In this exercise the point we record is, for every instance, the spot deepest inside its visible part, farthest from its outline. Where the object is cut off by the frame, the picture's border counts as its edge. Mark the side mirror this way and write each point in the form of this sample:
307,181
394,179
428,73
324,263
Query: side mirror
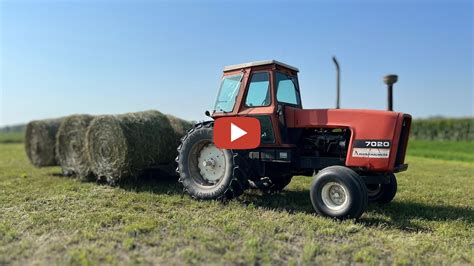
207,113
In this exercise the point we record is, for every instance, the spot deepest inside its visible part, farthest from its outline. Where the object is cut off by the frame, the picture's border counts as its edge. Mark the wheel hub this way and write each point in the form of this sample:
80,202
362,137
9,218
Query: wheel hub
211,163
374,190
334,196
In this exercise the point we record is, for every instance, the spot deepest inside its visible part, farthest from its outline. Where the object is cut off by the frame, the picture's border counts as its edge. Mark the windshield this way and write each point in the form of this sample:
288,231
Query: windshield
227,93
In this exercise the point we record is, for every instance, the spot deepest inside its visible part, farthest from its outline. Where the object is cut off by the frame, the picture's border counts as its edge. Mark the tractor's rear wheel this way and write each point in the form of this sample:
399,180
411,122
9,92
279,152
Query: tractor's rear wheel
382,193
338,192
207,172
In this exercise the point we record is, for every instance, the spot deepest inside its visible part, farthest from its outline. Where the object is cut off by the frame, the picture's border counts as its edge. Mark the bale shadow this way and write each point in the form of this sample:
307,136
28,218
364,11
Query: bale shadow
56,174
154,181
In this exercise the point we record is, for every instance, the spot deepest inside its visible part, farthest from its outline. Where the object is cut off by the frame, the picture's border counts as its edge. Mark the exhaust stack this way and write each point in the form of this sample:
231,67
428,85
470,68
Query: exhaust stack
338,82
390,80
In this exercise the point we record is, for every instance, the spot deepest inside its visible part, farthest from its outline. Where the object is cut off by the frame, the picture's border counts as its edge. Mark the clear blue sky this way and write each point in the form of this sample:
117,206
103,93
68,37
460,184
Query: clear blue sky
65,57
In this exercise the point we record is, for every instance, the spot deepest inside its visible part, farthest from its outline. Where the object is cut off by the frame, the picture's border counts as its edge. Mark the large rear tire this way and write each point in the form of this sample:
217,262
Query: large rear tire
338,192
207,172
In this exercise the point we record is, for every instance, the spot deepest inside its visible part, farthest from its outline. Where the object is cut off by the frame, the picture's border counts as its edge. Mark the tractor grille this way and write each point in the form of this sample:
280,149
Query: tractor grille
403,142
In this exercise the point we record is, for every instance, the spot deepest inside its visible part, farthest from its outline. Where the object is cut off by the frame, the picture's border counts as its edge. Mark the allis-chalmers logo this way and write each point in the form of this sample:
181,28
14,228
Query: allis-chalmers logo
371,148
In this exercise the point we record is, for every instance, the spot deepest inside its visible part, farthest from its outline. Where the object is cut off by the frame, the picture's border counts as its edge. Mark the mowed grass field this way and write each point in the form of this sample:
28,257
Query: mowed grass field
445,150
49,219
11,137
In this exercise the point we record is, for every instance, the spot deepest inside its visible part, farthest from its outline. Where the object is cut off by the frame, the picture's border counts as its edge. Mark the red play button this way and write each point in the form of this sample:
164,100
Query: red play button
237,133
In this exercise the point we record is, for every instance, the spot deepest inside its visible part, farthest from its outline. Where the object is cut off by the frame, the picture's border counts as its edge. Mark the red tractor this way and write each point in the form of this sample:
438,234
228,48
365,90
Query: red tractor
353,154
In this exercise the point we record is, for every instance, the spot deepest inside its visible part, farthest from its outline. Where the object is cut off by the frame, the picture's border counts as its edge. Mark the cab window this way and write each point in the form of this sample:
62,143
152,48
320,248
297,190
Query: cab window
259,90
227,93
287,91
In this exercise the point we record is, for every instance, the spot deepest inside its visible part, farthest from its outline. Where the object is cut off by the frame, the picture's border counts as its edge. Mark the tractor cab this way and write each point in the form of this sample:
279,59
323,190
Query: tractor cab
262,90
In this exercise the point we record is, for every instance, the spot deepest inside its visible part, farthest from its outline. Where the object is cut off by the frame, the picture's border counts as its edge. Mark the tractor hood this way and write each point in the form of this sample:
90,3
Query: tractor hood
377,140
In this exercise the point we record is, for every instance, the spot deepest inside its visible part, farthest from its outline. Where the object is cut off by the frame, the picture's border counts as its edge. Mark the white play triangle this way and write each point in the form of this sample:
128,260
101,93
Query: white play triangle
236,132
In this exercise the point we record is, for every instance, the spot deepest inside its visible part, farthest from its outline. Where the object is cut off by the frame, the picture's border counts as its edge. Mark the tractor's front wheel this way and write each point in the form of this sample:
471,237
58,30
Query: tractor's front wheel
207,172
338,192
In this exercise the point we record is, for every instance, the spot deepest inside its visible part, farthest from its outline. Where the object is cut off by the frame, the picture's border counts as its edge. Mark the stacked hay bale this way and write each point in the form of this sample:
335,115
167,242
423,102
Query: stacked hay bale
70,147
40,142
179,126
111,147
122,146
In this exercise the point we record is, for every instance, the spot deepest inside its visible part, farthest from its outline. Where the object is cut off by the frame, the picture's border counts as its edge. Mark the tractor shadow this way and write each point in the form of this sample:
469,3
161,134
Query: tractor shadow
401,215
405,215
291,201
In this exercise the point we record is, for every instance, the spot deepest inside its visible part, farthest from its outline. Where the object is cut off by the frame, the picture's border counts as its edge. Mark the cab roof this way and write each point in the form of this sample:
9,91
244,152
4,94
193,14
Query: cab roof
259,63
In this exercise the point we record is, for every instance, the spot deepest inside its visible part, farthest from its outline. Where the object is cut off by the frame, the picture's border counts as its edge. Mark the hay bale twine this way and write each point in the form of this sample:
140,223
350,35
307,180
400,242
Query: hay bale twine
40,141
70,146
122,146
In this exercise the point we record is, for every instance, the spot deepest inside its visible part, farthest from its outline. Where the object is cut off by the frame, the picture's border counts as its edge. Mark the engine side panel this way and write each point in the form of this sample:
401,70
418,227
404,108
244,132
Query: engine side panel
371,132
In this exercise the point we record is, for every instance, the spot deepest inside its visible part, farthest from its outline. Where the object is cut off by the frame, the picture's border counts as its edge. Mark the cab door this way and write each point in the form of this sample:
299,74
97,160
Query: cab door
258,103
266,95
287,94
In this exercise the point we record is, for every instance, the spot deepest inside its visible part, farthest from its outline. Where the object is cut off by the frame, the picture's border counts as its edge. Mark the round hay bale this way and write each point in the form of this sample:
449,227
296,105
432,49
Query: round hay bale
70,146
179,125
123,146
180,128
40,141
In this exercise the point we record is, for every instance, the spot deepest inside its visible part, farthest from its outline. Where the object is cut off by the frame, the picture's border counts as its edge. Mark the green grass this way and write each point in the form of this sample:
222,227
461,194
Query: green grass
446,150
11,137
49,219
